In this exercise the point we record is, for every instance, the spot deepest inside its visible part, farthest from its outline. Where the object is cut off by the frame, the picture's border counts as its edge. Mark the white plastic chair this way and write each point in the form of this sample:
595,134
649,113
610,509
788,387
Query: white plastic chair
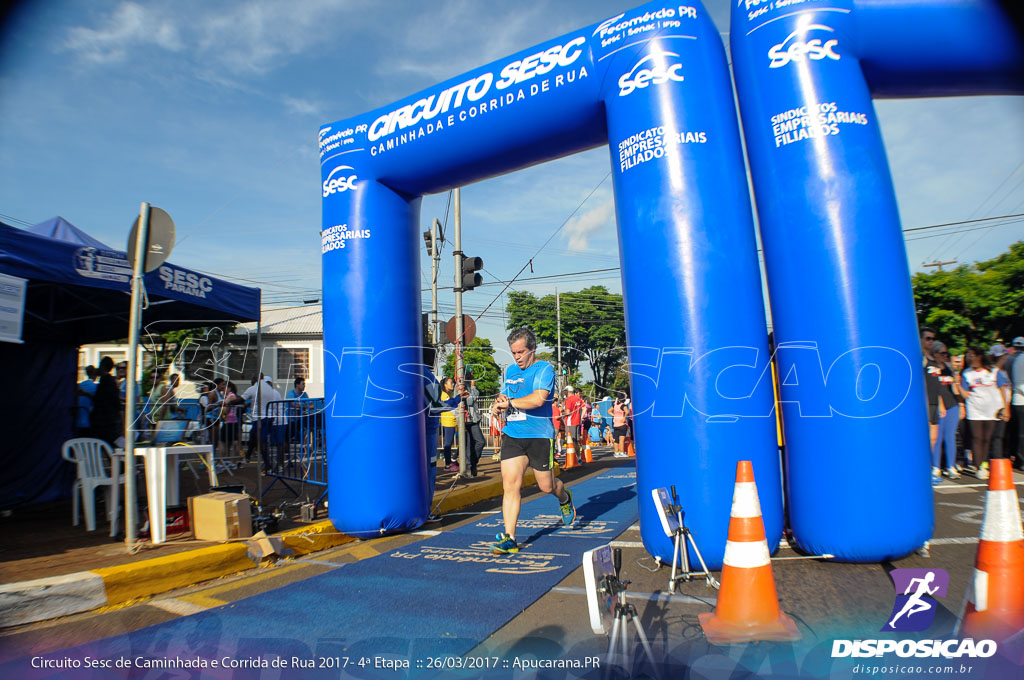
94,459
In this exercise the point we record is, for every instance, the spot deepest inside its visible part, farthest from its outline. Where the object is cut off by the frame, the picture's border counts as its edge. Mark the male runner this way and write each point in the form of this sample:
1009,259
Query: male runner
527,440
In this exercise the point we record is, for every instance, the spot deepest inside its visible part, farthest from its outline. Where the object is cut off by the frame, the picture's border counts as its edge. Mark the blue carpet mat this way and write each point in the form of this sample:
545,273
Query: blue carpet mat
438,597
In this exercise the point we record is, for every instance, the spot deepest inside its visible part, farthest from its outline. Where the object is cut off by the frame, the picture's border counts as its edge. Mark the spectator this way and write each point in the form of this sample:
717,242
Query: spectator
209,405
619,414
999,355
949,413
449,425
559,423
231,407
573,414
261,398
986,404
1015,369
298,390
476,437
931,371
165,400
122,380
628,405
107,412
497,424
83,411
298,415
435,409
586,418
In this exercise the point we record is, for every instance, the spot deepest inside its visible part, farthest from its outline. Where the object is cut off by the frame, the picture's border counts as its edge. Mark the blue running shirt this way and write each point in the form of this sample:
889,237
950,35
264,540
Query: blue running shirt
535,422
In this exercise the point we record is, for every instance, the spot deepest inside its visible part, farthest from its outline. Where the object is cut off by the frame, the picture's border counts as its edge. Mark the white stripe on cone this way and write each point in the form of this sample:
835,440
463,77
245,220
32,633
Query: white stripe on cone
980,587
747,554
744,500
1002,517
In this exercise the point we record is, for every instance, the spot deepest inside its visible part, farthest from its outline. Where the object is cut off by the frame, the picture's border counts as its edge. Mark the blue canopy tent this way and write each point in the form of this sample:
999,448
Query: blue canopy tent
78,293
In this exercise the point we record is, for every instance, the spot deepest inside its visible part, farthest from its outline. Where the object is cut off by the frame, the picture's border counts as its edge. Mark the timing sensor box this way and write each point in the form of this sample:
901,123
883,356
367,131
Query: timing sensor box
220,516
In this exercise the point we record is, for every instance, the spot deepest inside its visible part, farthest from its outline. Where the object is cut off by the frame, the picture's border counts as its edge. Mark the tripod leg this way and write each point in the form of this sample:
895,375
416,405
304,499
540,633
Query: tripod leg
613,641
711,579
684,555
646,645
675,561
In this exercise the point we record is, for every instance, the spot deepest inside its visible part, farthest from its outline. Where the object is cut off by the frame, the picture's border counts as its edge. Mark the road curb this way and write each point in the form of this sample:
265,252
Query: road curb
47,598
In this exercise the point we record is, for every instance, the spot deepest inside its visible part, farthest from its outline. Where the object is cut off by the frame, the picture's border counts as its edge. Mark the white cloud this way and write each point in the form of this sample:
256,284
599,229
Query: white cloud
252,36
302,107
129,27
585,226
239,38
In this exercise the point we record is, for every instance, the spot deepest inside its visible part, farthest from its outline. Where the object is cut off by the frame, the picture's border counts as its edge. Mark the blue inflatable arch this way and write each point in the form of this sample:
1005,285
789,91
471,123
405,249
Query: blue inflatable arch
653,85
838,278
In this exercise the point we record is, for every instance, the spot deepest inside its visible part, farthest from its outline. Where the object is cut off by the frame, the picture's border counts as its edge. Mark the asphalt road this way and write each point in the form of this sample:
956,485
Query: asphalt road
827,599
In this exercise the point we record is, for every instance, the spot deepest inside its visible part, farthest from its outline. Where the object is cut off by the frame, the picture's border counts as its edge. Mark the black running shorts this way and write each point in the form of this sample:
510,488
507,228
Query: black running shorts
540,452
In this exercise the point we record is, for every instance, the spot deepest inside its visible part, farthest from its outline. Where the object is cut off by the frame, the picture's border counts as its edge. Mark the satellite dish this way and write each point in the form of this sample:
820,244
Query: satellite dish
598,566
161,239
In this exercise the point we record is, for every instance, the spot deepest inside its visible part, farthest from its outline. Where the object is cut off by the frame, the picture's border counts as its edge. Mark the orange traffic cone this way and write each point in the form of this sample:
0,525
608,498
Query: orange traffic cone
570,451
570,457
630,448
748,607
588,455
995,600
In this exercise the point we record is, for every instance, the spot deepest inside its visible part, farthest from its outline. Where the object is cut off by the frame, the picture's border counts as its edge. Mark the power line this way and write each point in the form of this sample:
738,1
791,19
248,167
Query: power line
949,244
555,233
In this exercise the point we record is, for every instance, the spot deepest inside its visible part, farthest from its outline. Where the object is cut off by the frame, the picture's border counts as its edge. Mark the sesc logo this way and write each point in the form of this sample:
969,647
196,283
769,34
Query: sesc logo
341,183
659,72
797,50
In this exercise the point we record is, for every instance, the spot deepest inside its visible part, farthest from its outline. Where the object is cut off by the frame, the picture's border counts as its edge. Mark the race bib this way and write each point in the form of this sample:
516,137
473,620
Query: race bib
514,415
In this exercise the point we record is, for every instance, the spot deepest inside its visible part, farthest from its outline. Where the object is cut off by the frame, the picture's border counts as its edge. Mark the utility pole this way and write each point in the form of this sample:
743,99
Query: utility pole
937,264
435,263
134,318
460,336
558,318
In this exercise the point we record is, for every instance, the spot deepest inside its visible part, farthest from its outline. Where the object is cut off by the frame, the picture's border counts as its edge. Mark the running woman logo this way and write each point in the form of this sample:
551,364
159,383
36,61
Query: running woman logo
915,606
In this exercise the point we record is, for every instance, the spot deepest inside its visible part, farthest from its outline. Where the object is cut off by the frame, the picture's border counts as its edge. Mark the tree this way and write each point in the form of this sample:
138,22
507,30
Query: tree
479,358
593,328
974,304
189,348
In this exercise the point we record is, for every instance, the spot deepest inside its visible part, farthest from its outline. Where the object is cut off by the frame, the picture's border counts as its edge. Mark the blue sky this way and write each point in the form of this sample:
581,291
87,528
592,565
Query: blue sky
211,110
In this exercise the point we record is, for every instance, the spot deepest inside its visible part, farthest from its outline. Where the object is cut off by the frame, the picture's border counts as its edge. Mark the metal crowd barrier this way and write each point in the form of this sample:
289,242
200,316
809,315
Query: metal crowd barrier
294,447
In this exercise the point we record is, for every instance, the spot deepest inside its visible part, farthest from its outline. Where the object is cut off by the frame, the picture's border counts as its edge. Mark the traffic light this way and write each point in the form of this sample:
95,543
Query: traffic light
470,279
427,240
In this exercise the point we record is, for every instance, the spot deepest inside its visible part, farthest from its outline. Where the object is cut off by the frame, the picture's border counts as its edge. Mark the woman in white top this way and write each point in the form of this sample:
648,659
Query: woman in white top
982,385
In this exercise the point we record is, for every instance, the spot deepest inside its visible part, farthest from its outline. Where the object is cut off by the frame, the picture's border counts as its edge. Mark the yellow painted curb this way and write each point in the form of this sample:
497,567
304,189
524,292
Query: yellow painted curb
313,538
128,582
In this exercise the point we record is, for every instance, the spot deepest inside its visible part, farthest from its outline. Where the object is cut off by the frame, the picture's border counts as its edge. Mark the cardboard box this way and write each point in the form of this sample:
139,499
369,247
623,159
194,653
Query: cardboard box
220,516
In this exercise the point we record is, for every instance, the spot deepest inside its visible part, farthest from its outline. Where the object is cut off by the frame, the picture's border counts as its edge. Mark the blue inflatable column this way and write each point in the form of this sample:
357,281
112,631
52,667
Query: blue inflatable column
372,355
842,306
695,317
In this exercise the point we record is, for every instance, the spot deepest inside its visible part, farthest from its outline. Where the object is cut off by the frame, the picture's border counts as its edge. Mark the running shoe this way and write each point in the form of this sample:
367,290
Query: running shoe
568,509
506,544
952,473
